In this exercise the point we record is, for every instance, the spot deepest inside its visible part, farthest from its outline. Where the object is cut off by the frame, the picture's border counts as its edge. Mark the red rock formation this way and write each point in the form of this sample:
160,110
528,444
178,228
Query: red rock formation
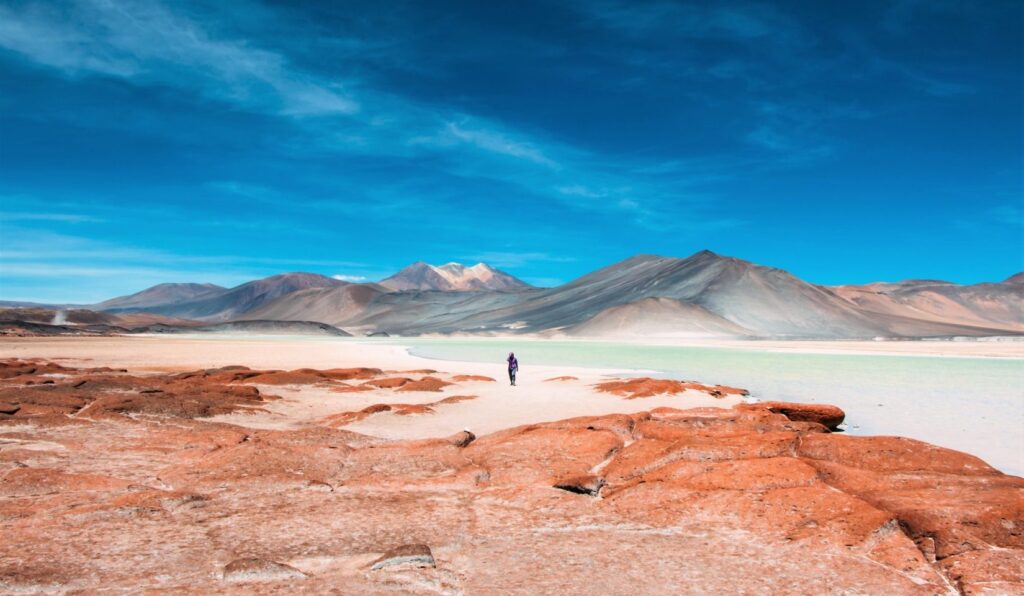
463,378
98,392
425,384
304,376
562,378
700,500
345,418
648,387
454,399
346,388
388,383
828,416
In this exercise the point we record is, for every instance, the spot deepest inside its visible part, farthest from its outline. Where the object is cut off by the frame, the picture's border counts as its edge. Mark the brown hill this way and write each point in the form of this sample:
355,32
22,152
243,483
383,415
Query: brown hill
224,305
989,305
657,317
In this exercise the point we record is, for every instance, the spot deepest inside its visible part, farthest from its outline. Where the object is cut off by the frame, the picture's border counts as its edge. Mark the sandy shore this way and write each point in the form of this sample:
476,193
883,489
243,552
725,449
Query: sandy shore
496,405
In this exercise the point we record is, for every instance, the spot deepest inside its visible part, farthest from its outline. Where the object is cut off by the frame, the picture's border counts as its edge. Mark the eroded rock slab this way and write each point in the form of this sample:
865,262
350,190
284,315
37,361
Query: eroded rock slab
101,492
648,387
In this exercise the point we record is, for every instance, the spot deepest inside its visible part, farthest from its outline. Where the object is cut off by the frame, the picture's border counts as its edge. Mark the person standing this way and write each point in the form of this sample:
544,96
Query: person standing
513,367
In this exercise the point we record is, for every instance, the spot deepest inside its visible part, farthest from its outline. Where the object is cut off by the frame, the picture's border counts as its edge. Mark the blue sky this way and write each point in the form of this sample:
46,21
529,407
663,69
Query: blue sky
147,141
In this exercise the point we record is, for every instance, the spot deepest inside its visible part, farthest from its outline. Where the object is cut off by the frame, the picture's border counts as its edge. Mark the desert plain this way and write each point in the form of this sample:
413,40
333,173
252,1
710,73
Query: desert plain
245,466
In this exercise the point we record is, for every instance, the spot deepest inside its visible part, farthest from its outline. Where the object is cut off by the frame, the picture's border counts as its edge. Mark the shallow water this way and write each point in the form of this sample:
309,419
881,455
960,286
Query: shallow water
969,404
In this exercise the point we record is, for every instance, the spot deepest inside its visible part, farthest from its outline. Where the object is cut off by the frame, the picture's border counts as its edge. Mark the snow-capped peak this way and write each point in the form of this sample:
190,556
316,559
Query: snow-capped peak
452,277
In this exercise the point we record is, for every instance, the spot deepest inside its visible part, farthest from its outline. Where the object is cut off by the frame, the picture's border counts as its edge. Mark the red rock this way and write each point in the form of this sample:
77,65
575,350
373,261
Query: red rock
348,374
425,384
648,387
462,378
462,439
388,383
709,500
828,416
34,482
346,388
588,484
454,399
408,554
740,474
254,569
345,418
96,393
542,455
562,378
293,377
986,571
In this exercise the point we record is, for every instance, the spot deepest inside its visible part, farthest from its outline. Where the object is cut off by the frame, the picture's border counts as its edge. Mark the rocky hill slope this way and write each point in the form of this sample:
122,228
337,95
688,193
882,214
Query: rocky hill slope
704,295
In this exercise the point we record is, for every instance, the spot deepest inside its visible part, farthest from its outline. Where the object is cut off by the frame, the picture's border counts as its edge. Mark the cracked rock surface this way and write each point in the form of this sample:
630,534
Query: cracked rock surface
109,485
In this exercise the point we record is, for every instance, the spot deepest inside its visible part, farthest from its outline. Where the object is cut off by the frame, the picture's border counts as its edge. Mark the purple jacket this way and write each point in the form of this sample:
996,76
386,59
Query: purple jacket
513,364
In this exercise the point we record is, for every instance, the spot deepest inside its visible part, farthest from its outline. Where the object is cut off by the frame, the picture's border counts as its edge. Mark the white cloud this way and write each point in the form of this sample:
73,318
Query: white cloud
490,140
57,217
160,44
578,190
350,278
144,41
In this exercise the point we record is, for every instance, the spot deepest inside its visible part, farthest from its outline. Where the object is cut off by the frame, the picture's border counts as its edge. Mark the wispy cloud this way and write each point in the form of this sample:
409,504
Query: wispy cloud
496,142
351,278
72,218
144,41
56,250
149,43
153,44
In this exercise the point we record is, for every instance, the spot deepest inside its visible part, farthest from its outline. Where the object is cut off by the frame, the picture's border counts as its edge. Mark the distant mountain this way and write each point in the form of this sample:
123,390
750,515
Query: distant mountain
226,304
372,307
657,317
989,305
160,295
763,300
51,316
260,327
328,305
703,295
452,277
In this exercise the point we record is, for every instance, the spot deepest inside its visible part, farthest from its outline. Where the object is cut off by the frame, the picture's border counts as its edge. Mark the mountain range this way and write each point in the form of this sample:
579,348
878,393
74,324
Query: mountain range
704,295
452,277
